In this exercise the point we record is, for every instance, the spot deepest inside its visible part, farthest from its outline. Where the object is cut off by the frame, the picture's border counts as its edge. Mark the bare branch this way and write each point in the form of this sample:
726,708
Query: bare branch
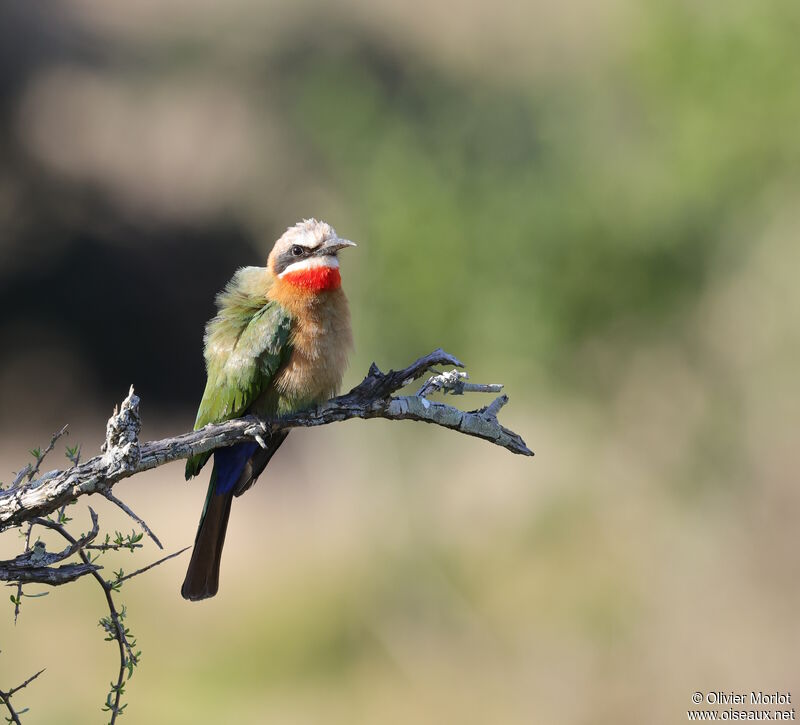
455,382
35,565
21,474
5,699
111,497
24,684
494,407
50,575
123,456
121,579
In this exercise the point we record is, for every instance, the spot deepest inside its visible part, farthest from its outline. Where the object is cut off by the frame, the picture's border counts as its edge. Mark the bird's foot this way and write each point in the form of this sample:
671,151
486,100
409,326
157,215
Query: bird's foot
265,432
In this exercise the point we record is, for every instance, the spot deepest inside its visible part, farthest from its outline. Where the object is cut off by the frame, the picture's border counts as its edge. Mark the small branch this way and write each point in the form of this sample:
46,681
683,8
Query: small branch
21,474
40,456
5,698
27,682
18,598
121,579
455,382
74,456
35,566
75,545
111,497
493,408
113,547
113,626
47,574
123,456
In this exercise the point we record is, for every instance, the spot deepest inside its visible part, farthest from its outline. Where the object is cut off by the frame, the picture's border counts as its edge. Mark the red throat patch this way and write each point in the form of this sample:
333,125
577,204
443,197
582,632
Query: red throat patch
317,279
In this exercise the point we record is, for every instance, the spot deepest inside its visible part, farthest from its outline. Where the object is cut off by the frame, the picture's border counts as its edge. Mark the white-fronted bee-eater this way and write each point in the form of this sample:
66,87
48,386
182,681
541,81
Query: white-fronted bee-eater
278,344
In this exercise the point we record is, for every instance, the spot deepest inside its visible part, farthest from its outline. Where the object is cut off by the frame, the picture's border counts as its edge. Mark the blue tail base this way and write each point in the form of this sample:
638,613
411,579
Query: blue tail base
229,464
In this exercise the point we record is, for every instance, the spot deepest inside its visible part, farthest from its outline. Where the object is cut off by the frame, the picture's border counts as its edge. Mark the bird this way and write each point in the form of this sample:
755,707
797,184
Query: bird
278,344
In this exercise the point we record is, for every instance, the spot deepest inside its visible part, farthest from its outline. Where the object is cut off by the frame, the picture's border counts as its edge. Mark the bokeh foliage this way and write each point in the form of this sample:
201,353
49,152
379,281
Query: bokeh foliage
595,204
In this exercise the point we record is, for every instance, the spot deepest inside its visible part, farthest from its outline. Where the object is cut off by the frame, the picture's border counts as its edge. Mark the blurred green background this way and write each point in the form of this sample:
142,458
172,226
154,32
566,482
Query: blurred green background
593,203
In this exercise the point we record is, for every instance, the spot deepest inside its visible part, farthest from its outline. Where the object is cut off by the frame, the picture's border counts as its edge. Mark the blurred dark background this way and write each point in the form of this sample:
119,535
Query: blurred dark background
595,204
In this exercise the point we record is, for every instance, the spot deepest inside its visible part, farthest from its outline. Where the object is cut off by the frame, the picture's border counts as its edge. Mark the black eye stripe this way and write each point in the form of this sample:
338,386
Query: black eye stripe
288,257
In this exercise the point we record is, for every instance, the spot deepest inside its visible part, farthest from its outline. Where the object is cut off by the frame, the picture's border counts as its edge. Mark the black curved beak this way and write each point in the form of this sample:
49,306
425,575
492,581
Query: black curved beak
332,246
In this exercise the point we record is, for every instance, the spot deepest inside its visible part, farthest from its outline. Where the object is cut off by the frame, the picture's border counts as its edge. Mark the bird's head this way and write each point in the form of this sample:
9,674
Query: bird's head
306,256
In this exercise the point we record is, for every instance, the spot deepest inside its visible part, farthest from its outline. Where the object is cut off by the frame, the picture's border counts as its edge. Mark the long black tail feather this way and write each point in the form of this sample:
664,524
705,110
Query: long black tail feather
202,576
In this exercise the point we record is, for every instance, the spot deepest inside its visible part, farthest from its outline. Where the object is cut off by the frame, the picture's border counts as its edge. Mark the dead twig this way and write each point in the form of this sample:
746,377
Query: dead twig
111,497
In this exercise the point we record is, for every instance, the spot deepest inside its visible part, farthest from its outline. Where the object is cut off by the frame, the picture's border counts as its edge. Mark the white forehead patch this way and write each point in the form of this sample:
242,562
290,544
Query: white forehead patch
302,265
309,233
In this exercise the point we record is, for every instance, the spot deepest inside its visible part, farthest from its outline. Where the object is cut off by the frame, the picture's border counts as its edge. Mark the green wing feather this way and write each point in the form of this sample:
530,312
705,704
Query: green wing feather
245,345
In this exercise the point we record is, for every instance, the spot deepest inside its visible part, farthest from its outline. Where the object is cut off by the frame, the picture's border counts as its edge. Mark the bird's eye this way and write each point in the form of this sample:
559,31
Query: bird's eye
297,251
